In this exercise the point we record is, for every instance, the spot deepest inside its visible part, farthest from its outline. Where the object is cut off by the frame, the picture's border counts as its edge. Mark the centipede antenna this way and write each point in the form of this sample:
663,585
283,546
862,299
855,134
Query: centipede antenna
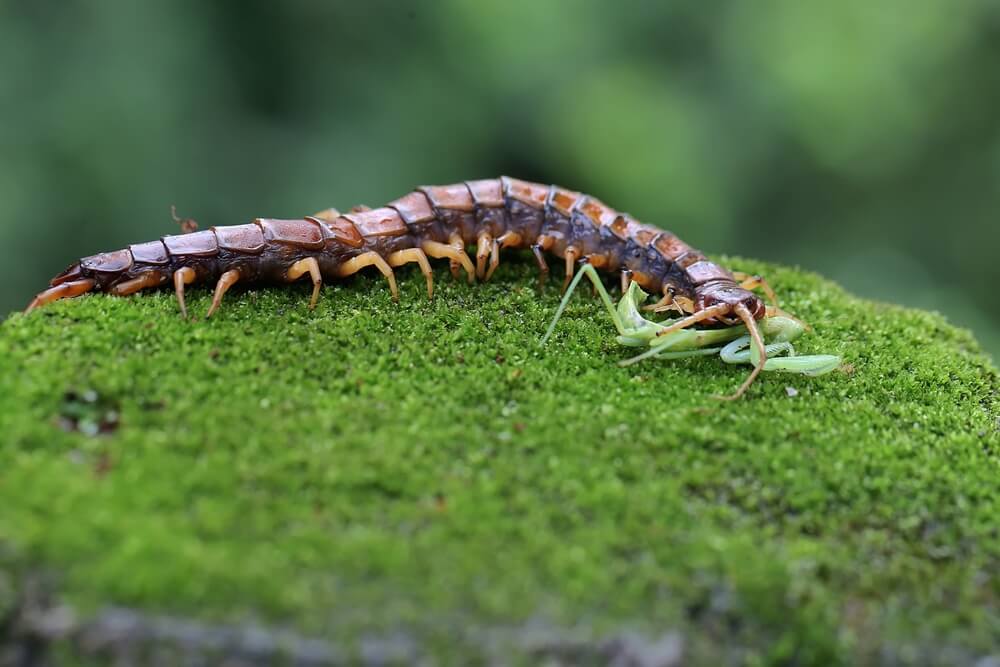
758,341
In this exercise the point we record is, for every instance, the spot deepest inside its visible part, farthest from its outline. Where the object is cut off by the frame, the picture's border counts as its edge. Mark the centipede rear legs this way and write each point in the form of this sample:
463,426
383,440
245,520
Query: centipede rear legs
64,291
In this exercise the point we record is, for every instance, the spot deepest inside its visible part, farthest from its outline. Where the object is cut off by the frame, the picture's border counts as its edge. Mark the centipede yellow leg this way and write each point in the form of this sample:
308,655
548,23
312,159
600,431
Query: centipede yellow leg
146,280
444,251
371,258
458,245
183,276
483,250
505,240
415,255
327,214
227,280
307,266
571,255
626,278
541,244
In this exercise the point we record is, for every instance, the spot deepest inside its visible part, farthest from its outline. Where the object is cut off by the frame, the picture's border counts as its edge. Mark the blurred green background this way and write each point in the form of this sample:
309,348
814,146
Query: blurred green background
858,139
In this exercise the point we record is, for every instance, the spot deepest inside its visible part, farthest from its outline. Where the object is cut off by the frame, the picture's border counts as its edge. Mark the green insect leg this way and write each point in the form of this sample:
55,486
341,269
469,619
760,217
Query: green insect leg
591,273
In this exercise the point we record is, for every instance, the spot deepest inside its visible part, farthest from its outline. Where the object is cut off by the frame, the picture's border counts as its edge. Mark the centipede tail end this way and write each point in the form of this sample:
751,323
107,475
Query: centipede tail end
65,290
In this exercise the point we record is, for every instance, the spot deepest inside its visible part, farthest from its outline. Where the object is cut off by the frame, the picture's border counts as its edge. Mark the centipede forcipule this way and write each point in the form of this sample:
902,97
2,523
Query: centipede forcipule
438,222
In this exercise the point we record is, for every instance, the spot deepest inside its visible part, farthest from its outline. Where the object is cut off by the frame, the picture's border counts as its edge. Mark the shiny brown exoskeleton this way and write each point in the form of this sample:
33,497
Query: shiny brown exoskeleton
437,222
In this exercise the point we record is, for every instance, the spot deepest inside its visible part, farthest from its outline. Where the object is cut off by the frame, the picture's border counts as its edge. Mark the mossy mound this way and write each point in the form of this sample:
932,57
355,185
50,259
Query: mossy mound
427,469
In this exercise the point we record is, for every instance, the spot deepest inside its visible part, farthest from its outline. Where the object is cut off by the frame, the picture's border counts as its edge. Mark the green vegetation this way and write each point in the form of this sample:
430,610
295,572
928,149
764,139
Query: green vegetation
428,465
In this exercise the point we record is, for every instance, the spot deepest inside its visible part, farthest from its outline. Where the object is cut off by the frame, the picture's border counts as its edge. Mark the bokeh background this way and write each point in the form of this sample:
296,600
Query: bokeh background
858,139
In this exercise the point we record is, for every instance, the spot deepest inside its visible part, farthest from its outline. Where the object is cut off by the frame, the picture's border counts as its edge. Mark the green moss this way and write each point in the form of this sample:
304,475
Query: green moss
369,465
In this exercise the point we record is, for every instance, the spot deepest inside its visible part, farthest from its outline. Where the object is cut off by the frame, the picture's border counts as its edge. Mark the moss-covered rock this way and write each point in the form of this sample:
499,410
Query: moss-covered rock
427,470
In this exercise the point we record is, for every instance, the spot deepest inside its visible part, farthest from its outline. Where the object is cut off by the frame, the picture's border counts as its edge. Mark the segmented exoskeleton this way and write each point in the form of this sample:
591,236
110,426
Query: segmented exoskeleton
437,222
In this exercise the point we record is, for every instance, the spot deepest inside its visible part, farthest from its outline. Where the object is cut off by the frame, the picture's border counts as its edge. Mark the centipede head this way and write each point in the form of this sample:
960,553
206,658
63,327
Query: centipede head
720,295
729,305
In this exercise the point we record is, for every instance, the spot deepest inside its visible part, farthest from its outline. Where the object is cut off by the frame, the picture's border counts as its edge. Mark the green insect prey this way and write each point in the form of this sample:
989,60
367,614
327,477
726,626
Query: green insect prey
732,344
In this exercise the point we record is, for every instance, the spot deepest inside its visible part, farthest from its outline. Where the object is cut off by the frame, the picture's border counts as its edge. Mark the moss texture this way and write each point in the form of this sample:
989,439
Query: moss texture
424,466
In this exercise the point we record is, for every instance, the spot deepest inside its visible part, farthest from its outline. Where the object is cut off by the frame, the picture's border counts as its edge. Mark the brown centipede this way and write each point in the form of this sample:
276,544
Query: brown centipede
437,222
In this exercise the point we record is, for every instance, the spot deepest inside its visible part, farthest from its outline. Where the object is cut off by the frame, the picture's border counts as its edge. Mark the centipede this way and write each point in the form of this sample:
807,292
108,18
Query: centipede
712,304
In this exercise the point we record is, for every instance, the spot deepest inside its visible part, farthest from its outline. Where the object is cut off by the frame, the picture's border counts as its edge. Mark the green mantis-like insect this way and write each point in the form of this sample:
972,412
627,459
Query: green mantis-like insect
732,344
